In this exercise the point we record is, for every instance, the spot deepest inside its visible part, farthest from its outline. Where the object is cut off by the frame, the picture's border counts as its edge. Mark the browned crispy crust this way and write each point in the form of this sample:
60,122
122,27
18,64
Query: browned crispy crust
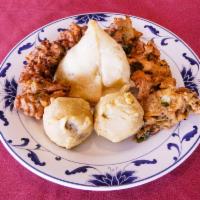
153,81
71,36
159,115
36,80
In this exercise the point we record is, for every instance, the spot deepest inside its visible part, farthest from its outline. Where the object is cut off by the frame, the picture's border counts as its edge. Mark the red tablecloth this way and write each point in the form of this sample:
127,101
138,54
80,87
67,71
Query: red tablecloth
20,17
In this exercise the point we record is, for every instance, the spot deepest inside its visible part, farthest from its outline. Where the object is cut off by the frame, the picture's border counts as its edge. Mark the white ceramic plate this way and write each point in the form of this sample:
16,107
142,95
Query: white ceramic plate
98,164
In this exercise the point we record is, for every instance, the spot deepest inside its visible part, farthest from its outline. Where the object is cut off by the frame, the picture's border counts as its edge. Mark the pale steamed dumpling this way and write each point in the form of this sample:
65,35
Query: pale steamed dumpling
118,116
68,121
95,64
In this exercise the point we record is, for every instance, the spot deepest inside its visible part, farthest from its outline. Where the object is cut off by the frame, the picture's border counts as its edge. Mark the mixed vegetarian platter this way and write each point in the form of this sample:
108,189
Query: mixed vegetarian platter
100,101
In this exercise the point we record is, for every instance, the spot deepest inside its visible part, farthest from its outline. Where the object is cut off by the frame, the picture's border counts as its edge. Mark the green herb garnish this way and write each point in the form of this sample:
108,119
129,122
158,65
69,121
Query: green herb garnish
165,101
165,104
144,137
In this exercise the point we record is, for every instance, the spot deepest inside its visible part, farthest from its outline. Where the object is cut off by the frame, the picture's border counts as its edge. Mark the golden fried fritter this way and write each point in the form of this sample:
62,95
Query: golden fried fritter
166,107
36,80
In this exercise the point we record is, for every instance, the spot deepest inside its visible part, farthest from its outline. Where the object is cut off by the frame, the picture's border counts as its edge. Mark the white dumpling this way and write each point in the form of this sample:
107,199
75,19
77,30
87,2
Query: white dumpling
95,64
68,121
114,66
118,116
79,68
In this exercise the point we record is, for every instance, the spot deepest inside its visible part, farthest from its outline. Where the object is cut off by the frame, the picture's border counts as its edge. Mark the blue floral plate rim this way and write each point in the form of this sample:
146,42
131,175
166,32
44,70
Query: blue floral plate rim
94,188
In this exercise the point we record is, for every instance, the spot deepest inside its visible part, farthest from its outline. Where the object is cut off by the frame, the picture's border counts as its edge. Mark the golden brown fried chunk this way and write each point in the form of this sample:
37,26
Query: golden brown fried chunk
165,108
36,80
122,30
155,88
30,105
143,82
43,60
37,84
36,97
71,36
154,74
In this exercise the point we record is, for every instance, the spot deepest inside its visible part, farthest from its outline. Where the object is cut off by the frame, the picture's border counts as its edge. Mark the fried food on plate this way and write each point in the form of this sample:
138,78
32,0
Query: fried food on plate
165,108
36,80
118,116
68,121
154,86
93,64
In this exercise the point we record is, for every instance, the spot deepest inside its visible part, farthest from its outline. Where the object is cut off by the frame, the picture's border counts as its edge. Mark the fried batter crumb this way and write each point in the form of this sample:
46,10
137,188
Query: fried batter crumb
164,105
36,80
